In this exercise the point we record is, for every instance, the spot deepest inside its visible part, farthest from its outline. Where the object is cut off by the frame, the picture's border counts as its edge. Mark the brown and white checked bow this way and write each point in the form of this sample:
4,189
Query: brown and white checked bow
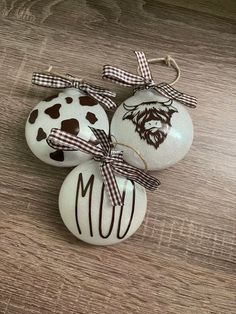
145,81
112,161
55,81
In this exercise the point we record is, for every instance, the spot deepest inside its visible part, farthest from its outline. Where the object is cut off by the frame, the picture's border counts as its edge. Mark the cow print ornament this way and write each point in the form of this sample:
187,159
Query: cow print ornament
86,209
72,111
160,129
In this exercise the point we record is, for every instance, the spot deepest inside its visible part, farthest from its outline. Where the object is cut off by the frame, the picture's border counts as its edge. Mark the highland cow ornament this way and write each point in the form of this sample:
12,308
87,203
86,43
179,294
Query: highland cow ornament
74,110
153,122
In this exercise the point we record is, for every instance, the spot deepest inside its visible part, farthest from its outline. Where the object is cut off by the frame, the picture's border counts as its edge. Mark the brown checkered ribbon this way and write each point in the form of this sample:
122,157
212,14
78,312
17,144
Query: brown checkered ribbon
56,81
145,81
111,161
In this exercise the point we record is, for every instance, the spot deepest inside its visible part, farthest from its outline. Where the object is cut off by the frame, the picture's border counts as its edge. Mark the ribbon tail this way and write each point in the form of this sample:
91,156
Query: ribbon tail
106,101
102,137
122,77
100,94
48,80
143,65
170,92
146,180
59,139
111,184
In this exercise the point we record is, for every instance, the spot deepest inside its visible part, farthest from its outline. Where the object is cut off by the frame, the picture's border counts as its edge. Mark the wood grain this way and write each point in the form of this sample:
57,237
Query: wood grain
182,260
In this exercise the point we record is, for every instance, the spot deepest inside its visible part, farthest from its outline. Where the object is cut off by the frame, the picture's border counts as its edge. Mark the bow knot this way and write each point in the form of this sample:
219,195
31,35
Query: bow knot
111,161
148,83
73,84
56,81
145,80
104,159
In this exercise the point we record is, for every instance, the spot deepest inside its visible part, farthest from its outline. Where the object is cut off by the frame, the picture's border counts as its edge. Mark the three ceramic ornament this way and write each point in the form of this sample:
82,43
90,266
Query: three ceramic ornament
103,200
73,110
103,204
153,121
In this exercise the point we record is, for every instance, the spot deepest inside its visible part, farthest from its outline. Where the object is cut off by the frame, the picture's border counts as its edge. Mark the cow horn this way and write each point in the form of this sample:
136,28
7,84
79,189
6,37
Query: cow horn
168,102
129,107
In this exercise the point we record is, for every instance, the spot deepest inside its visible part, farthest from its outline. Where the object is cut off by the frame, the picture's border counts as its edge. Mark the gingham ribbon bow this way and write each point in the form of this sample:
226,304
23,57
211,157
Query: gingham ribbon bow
55,81
145,81
111,161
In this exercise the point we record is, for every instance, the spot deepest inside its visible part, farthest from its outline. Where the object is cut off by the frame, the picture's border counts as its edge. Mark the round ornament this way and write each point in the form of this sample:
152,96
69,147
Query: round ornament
160,129
152,127
87,211
72,111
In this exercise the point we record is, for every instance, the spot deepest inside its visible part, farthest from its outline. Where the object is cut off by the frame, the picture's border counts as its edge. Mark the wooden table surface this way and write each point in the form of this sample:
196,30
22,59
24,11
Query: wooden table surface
182,259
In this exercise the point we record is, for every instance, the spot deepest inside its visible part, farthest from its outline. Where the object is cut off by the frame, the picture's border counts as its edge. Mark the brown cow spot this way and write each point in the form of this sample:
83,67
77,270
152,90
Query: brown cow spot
33,116
58,155
69,100
87,101
70,126
49,98
53,111
91,117
41,135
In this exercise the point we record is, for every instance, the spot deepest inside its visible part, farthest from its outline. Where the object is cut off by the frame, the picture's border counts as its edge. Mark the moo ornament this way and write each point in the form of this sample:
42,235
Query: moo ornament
87,212
74,110
101,206
153,121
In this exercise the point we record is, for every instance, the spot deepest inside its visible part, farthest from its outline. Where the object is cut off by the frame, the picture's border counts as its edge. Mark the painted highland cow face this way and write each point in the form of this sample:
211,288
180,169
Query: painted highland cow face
152,120
158,128
71,111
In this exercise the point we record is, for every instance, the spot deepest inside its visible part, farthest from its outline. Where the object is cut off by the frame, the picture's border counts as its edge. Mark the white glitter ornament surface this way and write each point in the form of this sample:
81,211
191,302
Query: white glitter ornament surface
72,111
160,129
87,211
